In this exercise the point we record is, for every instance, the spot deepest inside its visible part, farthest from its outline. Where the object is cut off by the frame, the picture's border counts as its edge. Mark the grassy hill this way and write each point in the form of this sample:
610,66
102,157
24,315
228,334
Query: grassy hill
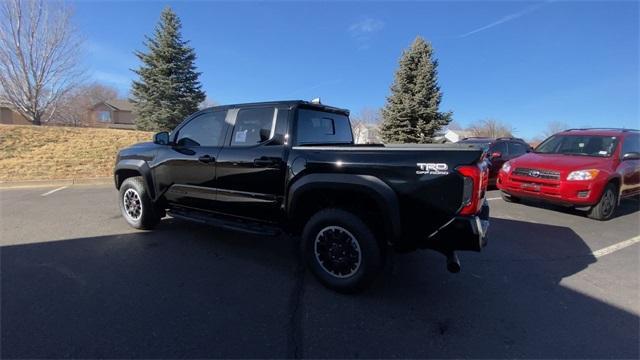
46,152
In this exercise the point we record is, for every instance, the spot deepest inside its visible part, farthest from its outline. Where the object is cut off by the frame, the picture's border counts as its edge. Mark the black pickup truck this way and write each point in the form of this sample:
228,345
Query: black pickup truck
293,166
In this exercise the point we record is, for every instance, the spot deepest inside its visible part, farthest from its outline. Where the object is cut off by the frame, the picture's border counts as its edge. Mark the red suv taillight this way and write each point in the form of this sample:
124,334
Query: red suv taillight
474,187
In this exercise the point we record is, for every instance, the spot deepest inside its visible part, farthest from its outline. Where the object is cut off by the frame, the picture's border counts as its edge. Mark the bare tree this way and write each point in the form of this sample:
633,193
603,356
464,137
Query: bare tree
39,56
491,128
369,115
554,127
96,92
535,141
74,106
360,122
453,125
358,128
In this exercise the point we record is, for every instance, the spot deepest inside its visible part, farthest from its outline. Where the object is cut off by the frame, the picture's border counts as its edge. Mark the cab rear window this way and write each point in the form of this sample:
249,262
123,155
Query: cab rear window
318,127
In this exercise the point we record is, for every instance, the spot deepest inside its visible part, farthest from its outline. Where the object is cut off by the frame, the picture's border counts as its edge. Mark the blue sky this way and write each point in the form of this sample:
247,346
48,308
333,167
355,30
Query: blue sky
525,63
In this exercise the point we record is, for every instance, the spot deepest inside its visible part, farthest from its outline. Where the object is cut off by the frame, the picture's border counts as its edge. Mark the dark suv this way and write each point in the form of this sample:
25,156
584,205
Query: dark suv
499,151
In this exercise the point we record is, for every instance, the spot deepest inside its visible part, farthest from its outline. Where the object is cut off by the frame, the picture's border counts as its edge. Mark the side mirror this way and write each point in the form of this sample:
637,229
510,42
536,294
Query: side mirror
631,156
161,138
278,139
496,155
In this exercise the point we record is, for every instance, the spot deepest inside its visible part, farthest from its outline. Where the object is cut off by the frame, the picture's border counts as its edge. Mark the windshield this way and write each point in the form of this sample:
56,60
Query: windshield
584,145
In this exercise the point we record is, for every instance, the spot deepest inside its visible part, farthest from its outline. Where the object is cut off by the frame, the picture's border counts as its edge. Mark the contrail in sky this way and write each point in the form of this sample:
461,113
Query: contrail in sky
507,18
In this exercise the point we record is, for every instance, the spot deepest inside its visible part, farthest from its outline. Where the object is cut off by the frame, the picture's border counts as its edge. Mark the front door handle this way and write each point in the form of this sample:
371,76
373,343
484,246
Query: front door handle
206,159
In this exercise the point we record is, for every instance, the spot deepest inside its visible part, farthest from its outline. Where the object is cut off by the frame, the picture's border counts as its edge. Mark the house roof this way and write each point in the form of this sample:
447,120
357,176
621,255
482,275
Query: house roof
462,133
118,104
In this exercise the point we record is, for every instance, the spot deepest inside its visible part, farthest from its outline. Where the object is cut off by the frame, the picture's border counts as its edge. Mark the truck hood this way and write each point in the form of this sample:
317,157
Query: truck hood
142,146
145,149
559,162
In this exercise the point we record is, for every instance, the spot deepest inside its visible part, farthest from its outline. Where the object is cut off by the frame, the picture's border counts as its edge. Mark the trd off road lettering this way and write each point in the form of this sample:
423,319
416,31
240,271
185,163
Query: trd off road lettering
432,169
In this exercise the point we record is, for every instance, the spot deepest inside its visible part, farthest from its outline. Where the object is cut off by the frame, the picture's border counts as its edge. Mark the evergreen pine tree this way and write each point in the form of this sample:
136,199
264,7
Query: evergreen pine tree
411,113
168,89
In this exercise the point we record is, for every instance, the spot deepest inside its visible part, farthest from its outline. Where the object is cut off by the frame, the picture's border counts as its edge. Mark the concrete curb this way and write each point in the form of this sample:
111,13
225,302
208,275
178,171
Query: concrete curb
55,182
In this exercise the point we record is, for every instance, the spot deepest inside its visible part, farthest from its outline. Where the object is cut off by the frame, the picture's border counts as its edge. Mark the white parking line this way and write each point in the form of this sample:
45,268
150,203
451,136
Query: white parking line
54,190
498,198
615,247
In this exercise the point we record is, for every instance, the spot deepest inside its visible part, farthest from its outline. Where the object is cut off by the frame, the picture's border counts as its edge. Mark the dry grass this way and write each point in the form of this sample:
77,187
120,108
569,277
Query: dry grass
44,152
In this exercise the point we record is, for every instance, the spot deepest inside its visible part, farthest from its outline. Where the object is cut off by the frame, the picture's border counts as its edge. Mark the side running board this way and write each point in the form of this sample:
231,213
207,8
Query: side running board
221,221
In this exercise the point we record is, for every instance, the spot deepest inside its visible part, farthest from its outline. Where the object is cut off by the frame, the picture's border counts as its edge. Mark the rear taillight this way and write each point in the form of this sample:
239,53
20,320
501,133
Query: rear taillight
467,190
475,180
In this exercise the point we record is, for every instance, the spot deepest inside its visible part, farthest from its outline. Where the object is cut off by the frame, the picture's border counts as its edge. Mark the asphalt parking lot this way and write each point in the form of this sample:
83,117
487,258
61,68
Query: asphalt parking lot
76,281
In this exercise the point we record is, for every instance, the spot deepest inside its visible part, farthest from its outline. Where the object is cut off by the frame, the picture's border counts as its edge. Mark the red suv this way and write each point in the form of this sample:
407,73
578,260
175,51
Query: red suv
590,169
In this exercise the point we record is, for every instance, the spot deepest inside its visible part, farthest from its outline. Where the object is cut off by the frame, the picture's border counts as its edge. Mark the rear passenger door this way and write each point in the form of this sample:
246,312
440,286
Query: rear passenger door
496,162
251,167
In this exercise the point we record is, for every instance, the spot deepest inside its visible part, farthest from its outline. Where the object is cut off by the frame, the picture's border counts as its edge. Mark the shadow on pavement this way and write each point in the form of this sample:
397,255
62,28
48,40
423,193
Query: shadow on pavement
183,290
191,291
626,207
508,301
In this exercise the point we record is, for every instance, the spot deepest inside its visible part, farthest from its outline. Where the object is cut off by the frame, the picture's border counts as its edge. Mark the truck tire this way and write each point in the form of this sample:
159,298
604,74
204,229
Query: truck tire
606,206
341,250
509,198
136,205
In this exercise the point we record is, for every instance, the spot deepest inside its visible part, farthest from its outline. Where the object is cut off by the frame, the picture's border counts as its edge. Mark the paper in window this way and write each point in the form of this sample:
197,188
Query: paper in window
241,136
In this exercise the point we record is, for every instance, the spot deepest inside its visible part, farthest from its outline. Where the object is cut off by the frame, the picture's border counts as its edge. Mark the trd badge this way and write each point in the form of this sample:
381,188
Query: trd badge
432,169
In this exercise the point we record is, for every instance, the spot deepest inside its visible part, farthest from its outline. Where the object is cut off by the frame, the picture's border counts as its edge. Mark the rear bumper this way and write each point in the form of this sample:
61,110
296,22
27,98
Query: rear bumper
567,193
462,233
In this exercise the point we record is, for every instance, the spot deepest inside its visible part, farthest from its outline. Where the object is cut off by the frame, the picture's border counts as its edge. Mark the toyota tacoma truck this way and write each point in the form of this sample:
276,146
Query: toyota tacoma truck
588,169
293,167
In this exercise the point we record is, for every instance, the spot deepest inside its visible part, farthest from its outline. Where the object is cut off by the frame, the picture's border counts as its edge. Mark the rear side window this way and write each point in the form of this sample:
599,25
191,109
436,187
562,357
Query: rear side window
318,127
500,147
204,130
631,144
517,149
253,126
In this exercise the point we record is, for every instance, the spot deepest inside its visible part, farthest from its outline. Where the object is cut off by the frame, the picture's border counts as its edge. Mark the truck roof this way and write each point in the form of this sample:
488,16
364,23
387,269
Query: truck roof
289,103
489,139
